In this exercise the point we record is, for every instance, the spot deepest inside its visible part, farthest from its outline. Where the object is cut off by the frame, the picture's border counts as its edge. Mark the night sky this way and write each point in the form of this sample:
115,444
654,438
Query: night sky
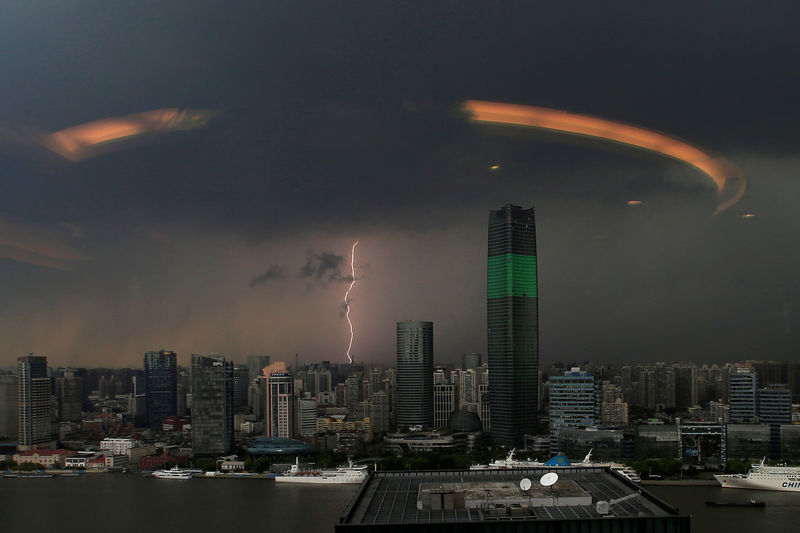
341,121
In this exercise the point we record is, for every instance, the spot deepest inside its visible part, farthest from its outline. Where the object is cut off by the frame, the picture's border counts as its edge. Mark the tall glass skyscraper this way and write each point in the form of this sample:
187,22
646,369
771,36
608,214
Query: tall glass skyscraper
212,405
35,416
513,324
414,373
161,383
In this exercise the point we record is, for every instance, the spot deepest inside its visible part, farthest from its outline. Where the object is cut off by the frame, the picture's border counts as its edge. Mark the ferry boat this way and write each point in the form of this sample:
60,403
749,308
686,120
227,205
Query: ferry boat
763,477
172,473
350,474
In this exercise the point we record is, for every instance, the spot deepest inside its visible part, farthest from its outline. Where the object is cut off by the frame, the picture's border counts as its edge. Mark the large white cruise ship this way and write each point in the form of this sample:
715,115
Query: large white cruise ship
508,462
557,461
763,477
350,474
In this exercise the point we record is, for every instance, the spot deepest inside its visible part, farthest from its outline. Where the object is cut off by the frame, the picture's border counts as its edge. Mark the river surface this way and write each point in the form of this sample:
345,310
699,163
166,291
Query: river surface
129,503
781,515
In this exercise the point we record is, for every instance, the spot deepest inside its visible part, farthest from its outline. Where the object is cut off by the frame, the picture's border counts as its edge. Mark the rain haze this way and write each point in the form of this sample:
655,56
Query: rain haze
193,176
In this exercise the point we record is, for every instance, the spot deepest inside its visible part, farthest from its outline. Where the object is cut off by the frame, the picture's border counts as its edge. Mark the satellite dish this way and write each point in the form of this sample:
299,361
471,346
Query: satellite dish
525,484
549,479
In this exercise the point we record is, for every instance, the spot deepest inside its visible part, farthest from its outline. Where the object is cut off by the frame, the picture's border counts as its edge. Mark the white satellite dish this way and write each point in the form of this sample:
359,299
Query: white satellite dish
525,484
549,479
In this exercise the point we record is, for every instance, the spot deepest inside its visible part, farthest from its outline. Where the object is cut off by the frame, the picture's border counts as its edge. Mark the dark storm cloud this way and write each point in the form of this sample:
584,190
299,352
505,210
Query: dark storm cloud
350,118
273,272
340,119
324,267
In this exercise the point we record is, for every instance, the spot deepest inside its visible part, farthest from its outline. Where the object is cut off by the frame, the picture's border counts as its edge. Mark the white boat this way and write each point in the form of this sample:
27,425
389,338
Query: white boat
350,474
763,477
172,473
508,462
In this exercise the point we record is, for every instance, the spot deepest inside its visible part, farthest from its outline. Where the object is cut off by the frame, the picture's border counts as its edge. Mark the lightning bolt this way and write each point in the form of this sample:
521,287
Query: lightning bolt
346,294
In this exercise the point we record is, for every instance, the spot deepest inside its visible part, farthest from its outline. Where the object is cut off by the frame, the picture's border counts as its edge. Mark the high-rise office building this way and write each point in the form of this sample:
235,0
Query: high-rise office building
470,360
513,324
8,406
573,403
35,413
444,403
484,408
212,405
255,364
240,384
743,395
257,398
376,383
306,417
319,380
613,410
414,373
352,394
380,412
468,381
161,383
685,385
69,394
774,407
280,405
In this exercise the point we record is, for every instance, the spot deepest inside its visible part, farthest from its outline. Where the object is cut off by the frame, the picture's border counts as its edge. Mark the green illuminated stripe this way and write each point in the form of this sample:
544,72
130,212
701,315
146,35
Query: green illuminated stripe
512,275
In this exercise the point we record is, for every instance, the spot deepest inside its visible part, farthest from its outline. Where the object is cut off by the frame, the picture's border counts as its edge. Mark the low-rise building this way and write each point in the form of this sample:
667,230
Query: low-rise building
425,441
116,461
50,458
748,441
656,440
98,462
118,446
136,453
175,423
151,462
76,461
230,464
605,443
339,425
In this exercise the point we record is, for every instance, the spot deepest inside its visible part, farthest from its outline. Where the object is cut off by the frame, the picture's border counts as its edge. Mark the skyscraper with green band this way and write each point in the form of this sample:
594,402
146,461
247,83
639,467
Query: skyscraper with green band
513,324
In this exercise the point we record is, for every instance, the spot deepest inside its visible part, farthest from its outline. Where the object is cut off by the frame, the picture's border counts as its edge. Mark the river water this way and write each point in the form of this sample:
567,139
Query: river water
129,503
781,515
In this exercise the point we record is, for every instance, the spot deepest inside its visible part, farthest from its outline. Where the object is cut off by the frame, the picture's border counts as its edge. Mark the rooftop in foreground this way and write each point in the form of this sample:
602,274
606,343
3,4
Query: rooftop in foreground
586,499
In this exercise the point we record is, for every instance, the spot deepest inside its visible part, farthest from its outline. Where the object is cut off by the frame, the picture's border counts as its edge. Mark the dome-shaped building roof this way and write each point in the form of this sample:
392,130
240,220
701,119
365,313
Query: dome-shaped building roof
462,420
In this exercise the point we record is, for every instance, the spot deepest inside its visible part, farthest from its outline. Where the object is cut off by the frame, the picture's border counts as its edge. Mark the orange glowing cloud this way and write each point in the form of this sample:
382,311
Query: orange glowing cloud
82,141
728,178
276,367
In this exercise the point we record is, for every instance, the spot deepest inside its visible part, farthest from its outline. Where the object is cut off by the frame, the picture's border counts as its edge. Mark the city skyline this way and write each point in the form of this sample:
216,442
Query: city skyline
263,154
246,268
